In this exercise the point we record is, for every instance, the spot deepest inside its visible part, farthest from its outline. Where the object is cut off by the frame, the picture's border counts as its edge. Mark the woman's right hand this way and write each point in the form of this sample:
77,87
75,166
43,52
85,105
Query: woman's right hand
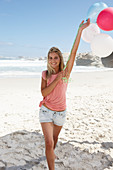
59,76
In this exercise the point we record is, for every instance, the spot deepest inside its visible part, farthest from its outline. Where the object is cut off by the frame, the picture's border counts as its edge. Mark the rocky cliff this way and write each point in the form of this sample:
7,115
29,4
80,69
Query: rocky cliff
108,61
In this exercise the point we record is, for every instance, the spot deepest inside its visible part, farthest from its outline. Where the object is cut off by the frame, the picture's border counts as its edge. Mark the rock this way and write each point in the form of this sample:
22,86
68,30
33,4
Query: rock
108,61
87,59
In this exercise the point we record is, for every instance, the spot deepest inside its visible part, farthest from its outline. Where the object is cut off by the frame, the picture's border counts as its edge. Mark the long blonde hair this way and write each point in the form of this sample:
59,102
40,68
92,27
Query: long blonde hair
50,70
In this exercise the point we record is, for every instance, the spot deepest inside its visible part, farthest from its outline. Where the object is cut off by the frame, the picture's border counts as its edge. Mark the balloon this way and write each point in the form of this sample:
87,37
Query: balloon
94,10
102,45
89,32
105,19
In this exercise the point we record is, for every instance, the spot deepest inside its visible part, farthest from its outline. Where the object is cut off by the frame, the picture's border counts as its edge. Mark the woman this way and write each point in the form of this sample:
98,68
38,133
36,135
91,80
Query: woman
53,107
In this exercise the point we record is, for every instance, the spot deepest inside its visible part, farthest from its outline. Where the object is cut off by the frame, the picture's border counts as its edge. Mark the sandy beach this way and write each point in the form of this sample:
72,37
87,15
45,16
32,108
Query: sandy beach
86,140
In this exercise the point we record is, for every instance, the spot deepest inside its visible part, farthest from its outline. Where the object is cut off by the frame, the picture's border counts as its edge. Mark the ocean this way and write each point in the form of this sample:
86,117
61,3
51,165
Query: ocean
30,67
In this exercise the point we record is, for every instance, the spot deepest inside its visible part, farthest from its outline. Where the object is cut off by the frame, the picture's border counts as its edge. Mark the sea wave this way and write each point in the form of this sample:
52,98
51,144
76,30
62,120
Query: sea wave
28,68
21,63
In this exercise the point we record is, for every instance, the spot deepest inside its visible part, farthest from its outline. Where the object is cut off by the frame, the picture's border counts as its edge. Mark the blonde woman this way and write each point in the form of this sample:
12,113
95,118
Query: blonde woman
52,112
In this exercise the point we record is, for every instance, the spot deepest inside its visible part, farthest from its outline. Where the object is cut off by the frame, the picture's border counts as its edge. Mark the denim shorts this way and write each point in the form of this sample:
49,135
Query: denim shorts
47,115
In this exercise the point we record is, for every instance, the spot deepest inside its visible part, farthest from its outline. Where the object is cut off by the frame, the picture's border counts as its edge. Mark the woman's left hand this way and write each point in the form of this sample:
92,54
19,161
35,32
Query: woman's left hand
84,25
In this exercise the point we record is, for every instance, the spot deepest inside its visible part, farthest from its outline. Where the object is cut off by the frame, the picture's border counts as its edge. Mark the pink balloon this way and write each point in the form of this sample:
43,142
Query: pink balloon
105,19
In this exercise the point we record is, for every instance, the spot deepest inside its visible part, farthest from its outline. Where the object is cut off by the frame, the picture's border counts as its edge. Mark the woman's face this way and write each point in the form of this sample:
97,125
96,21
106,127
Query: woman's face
54,60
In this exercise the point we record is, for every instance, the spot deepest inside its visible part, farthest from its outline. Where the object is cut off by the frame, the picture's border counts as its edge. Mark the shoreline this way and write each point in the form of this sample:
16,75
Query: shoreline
34,71
38,75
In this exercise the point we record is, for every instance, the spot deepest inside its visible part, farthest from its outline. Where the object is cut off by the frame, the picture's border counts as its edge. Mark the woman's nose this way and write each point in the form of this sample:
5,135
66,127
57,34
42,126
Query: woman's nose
53,59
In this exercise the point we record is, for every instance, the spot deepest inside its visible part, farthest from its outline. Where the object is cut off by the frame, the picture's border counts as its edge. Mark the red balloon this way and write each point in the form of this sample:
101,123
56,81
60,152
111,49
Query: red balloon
105,19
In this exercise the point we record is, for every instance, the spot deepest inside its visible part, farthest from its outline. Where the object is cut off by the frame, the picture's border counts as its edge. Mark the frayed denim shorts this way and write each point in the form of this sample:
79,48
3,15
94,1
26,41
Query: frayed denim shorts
47,115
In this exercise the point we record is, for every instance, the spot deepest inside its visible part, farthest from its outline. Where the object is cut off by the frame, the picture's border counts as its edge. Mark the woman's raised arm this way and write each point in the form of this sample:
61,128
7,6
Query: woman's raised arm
71,60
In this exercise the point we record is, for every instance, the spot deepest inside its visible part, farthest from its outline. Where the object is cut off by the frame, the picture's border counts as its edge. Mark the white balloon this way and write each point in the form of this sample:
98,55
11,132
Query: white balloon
102,45
89,33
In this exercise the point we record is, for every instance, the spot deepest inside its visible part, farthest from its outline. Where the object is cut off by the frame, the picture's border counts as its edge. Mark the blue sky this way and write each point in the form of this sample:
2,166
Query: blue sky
31,27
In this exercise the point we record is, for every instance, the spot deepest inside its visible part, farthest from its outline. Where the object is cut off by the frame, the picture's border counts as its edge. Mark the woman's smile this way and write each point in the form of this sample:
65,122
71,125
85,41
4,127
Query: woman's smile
53,63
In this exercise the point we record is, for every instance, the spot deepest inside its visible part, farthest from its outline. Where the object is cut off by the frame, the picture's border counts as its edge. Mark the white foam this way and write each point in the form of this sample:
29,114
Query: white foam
20,68
20,63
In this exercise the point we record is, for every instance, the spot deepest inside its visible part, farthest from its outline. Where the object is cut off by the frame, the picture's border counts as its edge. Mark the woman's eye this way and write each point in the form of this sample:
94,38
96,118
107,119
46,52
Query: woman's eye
56,58
50,58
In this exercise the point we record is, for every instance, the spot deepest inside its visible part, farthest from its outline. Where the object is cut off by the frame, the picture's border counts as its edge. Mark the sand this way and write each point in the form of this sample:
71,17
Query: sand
86,140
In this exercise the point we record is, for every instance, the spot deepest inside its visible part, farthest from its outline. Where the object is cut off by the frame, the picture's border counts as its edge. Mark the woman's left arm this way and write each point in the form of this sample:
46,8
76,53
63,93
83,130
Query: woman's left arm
71,60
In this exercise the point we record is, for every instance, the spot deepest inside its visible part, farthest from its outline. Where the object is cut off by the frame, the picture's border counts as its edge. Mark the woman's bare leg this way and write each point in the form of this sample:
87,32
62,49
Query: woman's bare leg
49,144
56,131
51,132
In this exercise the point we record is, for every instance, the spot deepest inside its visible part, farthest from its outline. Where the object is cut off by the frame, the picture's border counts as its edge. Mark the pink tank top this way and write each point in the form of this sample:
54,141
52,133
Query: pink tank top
56,100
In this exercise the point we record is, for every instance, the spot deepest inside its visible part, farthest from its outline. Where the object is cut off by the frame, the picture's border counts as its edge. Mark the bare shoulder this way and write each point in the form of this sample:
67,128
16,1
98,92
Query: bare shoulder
44,74
44,79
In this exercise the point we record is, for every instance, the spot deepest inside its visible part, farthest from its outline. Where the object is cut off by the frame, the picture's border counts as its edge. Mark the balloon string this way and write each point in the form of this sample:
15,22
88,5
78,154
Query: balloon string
65,78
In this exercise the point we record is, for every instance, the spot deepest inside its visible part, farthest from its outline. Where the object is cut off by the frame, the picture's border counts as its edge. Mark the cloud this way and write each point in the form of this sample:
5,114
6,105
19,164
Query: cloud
3,43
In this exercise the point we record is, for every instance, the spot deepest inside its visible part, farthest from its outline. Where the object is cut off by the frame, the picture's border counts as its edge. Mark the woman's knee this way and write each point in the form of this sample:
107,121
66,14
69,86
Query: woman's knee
49,143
